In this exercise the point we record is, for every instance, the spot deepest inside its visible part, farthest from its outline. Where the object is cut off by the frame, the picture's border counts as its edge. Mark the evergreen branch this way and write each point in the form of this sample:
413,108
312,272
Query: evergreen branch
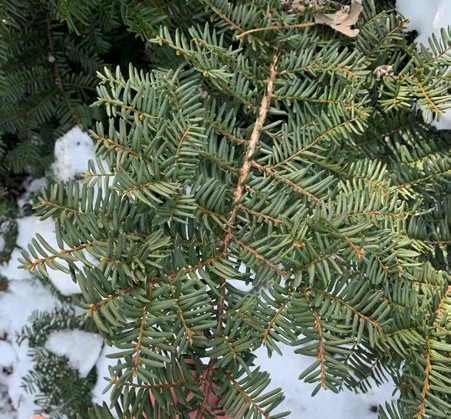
283,179
427,371
345,304
259,256
358,251
117,147
243,99
275,28
222,15
137,348
119,104
222,165
316,261
246,397
422,179
226,134
321,69
256,132
62,252
173,384
184,136
201,265
314,142
372,214
276,315
381,264
147,185
291,133
435,109
46,203
439,242
95,306
440,313
210,212
260,214
244,316
388,36
89,174
188,331
321,341
205,406
58,79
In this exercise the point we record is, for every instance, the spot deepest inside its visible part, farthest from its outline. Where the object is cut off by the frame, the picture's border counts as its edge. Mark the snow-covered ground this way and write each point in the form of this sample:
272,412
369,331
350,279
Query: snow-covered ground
25,295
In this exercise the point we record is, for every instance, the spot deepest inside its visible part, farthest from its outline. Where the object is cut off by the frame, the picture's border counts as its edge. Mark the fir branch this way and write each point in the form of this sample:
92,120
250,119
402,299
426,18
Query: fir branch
112,297
358,251
274,28
119,104
117,147
426,385
388,36
58,79
204,406
255,136
261,215
276,315
435,109
321,340
295,186
259,256
65,209
137,348
249,399
223,16
63,252
345,304
321,69
315,141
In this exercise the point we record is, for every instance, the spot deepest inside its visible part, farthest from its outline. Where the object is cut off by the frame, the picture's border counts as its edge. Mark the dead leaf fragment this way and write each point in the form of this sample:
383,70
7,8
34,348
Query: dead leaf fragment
384,71
343,19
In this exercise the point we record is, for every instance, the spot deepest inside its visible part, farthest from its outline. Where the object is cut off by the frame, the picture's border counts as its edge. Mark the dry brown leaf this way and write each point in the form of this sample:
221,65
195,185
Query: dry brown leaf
343,19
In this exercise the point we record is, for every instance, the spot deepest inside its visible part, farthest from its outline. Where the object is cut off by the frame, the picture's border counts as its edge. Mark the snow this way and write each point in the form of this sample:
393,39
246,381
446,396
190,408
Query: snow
427,17
32,187
28,296
8,354
81,348
28,227
86,350
103,375
72,152
284,371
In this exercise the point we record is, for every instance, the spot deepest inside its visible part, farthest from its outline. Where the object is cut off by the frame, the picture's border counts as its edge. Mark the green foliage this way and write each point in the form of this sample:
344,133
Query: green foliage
60,391
263,149
48,76
8,226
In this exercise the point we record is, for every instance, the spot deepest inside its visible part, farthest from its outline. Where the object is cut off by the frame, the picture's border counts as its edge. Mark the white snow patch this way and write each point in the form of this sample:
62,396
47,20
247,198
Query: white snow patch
428,17
8,354
31,187
72,152
103,376
284,371
80,347
28,227
16,306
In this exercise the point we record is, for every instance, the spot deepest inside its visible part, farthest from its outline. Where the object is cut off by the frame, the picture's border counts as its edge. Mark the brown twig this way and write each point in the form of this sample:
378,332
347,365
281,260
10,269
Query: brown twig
275,28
